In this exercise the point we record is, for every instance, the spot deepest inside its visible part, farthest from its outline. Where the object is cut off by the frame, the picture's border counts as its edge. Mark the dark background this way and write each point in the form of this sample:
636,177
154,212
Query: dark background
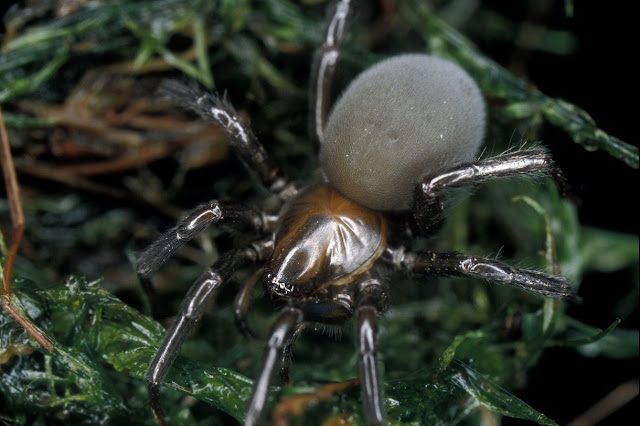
600,78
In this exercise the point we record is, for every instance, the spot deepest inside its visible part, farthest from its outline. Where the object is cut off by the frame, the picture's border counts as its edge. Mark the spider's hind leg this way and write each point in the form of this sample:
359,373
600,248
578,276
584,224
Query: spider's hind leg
526,162
428,206
324,66
245,144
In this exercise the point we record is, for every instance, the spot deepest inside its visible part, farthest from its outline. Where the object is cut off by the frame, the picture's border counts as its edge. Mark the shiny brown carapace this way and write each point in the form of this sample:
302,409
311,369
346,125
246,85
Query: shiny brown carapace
321,239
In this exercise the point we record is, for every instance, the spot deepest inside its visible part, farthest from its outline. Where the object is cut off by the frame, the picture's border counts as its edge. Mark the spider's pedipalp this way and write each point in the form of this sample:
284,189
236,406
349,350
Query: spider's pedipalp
241,306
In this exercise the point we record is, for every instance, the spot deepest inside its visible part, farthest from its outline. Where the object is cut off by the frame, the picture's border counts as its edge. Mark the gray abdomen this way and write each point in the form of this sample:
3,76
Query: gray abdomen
401,119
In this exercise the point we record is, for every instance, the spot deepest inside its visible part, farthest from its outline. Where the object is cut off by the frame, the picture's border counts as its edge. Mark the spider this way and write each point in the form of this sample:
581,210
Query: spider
402,134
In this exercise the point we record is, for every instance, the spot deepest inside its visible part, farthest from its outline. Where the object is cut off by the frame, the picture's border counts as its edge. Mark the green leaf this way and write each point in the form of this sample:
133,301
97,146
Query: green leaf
619,344
493,397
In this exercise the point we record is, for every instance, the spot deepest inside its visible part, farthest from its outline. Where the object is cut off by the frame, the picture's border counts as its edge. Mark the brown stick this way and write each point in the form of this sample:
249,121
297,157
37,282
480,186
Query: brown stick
17,221
297,404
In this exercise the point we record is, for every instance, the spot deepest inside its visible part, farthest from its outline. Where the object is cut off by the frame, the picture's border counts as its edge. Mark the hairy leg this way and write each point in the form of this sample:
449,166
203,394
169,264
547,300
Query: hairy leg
324,66
371,300
281,334
191,311
464,265
428,205
213,212
241,138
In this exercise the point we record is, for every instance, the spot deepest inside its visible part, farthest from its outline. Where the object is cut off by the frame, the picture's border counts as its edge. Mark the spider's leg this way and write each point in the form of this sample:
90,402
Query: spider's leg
324,66
240,310
154,256
428,206
464,265
291,322
288,353
336,310
241,306
191,311
528,162
281,334
241,138
370,301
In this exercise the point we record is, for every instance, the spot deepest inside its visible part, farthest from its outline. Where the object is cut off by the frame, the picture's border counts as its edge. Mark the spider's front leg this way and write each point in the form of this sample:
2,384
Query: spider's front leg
298,314
371,301
280,337
365,298
197,220
191,311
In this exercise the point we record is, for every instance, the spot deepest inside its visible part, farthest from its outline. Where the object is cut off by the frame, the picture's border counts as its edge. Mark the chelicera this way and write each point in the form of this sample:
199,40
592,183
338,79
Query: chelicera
405,131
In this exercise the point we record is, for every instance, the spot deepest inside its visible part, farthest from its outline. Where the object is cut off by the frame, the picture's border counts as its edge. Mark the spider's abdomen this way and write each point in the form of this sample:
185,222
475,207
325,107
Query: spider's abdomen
323,239
402,118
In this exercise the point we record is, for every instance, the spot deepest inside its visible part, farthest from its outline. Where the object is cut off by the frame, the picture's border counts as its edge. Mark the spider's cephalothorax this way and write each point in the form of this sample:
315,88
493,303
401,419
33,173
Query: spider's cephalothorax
403,133
323,239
